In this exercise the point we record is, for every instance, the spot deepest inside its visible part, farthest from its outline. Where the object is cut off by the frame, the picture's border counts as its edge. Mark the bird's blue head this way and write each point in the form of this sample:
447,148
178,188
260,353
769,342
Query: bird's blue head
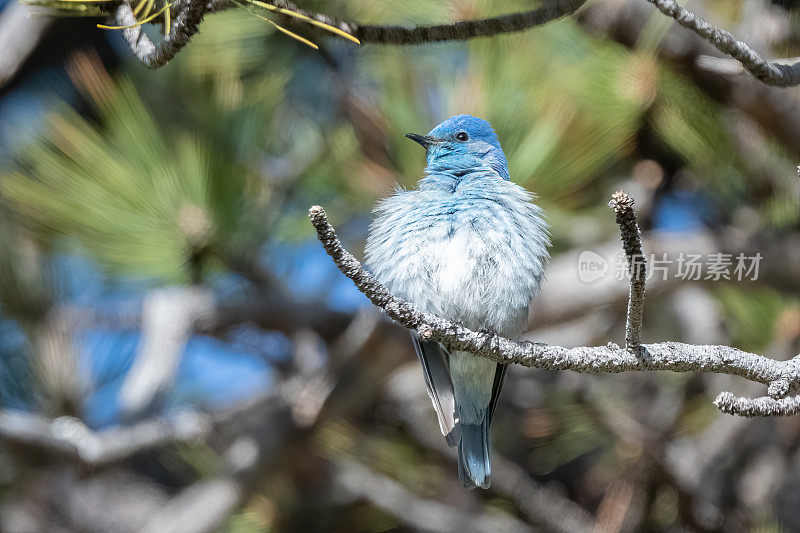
461,144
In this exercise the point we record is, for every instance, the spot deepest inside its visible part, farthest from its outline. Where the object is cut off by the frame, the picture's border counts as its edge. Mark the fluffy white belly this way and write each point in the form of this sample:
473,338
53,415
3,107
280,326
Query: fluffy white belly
471,280
459,259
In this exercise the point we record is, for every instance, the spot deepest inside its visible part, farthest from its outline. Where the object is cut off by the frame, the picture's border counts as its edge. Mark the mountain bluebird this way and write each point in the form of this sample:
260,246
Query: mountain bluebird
471,246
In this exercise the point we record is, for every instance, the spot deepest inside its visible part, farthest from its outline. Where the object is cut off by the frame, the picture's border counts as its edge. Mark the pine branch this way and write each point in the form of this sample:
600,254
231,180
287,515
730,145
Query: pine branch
781,377
190,13
769,72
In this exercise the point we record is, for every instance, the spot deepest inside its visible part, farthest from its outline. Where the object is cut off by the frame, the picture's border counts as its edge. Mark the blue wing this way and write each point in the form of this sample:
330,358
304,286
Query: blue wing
436,369
499,378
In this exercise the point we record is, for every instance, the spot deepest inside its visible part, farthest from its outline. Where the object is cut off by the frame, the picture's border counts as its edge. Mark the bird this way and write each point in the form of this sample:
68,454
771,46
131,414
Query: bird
469,245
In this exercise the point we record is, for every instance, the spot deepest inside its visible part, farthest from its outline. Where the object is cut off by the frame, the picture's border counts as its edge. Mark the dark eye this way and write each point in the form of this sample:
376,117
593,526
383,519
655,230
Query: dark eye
462,136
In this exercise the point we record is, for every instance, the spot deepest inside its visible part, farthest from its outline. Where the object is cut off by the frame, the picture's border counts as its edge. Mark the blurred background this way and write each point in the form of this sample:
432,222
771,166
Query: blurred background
177,352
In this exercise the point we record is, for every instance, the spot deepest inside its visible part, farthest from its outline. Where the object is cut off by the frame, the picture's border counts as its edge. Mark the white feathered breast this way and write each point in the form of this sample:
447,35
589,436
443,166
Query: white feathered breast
473,252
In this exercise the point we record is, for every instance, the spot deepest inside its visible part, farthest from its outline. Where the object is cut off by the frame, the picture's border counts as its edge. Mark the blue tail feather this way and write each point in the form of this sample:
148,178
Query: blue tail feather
474,467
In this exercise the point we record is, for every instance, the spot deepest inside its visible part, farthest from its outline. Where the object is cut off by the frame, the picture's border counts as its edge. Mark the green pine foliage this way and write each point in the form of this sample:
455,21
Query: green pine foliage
139,198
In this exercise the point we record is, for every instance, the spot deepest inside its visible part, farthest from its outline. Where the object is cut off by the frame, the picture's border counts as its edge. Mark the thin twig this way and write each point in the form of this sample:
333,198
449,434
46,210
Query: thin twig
764,406
769,72
622,204
467,29
780,376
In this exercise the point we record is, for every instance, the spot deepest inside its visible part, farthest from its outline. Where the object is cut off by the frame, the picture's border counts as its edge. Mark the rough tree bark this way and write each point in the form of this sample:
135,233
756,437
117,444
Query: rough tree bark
781,377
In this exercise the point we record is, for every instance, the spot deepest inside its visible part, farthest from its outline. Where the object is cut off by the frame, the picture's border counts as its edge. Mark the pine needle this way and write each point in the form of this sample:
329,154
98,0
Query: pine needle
167,21
139,23
139,7
328,27
294,35
148,7
280,28
290,33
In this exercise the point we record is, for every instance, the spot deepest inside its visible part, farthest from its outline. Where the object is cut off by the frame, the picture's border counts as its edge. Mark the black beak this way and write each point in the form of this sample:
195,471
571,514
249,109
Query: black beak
424,140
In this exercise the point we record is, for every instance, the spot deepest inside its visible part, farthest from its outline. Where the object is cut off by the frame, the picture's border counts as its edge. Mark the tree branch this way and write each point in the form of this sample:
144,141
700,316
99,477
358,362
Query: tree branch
467,29
764,406
190,13
20,34
68,436
781,377
769,72
169,316
622,204
187,22
404,35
